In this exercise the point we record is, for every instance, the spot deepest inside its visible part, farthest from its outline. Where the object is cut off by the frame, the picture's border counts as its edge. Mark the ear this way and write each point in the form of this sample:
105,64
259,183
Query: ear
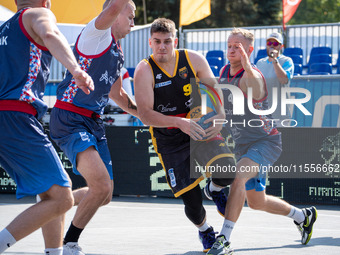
251,49
282,45
176,43
150,42
44,3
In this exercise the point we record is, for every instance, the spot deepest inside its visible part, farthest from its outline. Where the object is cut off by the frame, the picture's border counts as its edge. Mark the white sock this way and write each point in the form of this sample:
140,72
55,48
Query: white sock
204,227
54,251
296,214
212,187
6,240
227,229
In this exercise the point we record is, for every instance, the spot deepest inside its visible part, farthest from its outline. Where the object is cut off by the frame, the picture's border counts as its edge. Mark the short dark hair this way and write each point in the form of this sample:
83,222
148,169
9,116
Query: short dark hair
163,25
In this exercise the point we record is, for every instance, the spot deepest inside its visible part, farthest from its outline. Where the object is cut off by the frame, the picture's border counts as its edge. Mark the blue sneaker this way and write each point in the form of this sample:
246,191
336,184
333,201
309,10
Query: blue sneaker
207,238
219,198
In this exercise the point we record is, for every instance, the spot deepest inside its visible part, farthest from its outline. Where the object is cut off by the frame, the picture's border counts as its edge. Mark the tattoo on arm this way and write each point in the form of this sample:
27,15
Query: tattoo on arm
131,105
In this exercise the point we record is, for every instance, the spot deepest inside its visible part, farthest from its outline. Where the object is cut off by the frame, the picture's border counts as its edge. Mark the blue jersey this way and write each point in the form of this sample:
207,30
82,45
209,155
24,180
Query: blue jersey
104,69
248,127
24,65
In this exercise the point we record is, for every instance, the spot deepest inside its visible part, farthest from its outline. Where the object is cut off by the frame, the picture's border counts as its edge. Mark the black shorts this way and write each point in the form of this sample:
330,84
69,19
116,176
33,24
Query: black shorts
181,166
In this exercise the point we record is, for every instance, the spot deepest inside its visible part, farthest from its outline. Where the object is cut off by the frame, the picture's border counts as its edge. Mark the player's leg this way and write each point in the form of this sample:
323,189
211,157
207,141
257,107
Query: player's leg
93,169
195,212
216,157
303,218
37,171
236,199
54,202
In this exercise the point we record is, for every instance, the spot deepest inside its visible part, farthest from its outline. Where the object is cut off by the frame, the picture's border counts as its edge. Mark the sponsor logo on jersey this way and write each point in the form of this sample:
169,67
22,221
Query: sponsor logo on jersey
162,84
183,72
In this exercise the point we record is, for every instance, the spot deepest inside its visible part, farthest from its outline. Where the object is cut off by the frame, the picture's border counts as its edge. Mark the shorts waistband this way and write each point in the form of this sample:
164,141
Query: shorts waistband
76,109
17,106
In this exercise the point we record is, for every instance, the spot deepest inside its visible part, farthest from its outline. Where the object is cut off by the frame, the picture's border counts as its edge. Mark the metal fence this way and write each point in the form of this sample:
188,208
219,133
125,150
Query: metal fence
303,36
136,44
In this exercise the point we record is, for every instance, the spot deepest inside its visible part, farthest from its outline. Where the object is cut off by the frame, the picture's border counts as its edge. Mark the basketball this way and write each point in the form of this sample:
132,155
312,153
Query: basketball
197,113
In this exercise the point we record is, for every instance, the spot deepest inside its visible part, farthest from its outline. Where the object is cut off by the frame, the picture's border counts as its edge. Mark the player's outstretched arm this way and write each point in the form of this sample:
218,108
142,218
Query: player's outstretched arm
40,23
110,13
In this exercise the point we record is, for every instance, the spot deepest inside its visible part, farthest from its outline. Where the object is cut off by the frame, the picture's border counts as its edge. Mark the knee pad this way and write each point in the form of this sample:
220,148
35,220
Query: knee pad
194,214
225,171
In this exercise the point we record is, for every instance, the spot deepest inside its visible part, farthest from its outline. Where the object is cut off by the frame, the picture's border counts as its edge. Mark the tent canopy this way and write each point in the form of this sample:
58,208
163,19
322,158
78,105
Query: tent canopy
69,11
5,14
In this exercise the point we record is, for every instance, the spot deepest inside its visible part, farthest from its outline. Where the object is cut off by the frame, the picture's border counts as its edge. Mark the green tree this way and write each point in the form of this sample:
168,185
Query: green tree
314,12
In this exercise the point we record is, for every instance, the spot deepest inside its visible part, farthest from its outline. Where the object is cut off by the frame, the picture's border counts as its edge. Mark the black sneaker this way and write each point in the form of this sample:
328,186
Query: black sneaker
219,198
207,238
306,227
221,247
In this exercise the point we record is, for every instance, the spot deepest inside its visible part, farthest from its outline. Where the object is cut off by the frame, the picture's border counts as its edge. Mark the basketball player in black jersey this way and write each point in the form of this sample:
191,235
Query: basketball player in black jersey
164,96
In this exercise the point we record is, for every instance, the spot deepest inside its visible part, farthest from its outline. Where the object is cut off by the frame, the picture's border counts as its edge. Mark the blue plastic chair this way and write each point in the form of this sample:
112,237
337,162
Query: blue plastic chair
297,59
292,51
320,58
216,54
297,69
131,71
215,61
261,53
320,50
320,68
215,70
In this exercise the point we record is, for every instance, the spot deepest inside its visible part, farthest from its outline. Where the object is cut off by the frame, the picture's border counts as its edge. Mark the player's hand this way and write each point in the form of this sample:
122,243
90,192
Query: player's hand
214,129
83,81
244,58
191,128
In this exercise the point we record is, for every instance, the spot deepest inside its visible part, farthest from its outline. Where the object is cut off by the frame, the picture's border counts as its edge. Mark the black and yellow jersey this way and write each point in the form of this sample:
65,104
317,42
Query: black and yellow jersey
174,95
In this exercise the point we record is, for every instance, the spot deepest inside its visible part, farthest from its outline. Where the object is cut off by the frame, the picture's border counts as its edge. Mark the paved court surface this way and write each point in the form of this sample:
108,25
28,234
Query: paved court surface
158,226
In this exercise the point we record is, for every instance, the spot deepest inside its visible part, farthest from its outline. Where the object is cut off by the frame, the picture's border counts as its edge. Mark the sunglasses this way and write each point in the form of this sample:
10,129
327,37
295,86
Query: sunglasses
273,43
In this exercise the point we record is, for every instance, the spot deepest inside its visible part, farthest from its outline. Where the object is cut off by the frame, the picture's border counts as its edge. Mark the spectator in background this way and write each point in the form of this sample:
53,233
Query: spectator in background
278,70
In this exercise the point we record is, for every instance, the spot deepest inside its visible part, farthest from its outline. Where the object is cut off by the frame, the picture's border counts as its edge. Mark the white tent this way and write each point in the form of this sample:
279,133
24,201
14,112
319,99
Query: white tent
5,14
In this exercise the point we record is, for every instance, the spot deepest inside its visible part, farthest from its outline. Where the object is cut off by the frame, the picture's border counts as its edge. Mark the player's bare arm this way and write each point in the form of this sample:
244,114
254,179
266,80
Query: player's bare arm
119,95
108,16
40,23
144,84
204,73
251,78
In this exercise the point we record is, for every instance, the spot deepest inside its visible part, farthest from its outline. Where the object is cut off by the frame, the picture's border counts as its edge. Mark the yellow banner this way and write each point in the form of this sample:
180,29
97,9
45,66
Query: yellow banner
193,10
69,11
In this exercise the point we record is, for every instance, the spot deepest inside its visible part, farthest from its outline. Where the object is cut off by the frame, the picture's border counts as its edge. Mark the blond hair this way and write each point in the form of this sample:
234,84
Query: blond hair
246,34
106,3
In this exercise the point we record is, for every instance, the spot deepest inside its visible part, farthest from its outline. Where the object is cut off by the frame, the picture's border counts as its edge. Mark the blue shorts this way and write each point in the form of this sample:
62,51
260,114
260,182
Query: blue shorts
264,152
28,156
75,133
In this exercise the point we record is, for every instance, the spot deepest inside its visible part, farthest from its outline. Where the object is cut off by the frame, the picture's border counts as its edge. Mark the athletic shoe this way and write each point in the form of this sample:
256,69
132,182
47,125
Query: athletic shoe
72,249
306,227
219,198
221,247
207,238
